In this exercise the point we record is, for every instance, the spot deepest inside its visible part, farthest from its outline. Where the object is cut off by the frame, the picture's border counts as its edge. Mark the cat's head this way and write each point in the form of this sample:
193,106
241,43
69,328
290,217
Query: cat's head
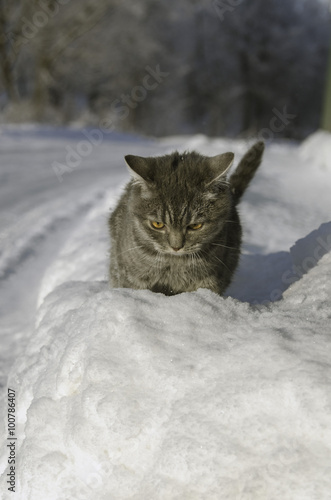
180,201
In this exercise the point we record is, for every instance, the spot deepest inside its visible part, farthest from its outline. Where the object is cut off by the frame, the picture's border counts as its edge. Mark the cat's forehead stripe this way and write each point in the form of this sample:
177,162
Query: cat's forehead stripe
167,218
183,216
175,215
183,211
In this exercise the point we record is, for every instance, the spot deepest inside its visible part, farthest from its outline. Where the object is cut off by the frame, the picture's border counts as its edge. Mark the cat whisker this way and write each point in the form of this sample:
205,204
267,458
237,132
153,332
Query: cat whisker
132,248
223,246
194,261
157,263
198,259
159,259
219,260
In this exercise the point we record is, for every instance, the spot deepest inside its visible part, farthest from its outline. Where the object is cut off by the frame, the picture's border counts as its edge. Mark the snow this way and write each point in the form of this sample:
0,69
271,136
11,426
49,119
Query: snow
126,394
317,149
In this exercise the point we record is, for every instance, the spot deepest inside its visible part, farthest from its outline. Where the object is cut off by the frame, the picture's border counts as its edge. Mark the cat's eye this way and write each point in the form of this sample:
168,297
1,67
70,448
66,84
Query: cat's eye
157,225
195,226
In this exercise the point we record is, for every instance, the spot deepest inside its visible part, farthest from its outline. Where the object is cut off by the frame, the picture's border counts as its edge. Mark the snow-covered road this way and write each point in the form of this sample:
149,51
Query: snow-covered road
41,205
129,394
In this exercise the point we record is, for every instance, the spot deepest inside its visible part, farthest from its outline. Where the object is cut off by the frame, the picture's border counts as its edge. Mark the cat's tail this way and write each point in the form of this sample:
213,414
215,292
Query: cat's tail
245,170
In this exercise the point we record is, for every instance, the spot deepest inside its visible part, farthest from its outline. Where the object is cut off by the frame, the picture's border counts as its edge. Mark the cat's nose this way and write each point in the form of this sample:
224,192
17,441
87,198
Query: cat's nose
176,240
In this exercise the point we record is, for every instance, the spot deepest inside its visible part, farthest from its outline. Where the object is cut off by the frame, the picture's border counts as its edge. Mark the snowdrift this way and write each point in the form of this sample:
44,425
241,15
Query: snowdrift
126,394
133,395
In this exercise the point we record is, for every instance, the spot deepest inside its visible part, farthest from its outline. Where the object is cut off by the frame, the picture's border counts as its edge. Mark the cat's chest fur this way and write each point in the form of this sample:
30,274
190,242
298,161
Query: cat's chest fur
176,227
167,274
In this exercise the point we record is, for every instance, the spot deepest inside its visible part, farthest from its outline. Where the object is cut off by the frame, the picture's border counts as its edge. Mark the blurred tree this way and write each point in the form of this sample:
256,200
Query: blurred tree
105,67
34,34
268,58
230,63
11,19
54,38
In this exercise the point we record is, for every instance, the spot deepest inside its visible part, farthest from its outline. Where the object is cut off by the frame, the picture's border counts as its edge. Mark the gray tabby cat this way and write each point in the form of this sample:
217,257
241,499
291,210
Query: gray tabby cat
176,227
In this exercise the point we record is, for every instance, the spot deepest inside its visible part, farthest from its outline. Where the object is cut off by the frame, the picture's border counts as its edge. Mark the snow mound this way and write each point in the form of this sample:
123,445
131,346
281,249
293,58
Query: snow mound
317,149
273,273
132,395
126,394
309,250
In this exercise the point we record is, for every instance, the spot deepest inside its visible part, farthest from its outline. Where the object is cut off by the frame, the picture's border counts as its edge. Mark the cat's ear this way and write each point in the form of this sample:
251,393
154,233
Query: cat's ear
140,168
219,166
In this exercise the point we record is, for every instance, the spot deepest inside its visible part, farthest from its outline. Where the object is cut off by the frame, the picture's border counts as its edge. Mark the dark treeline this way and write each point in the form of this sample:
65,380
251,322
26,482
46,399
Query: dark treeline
218,67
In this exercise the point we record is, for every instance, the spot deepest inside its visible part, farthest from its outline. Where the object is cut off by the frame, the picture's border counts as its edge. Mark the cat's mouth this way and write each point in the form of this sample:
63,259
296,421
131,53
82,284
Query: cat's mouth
177,252
172,251
180,252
